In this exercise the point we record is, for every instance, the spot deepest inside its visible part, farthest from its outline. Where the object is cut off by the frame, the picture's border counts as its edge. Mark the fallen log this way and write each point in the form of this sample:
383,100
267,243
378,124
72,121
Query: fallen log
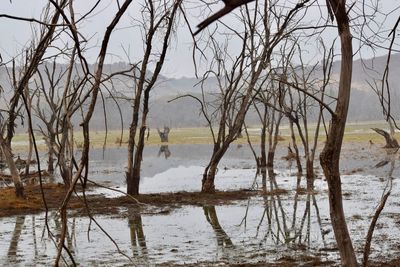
391,142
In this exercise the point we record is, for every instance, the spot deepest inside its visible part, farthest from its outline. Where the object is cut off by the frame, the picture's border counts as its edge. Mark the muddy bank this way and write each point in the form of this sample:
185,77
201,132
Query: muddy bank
100,204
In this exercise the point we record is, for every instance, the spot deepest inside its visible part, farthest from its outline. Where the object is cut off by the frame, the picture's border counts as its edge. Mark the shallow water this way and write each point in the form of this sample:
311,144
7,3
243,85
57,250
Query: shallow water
275,227
187,235
111,165
259,229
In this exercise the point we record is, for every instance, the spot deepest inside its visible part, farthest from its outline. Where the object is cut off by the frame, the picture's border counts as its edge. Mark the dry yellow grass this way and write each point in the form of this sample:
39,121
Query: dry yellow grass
355,132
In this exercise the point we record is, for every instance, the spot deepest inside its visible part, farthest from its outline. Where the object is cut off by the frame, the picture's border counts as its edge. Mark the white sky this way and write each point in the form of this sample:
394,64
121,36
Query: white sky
14,34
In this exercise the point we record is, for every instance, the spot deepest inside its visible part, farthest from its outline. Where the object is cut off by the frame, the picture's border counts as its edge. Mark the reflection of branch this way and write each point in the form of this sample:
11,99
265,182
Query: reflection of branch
306,214
244,220
274,212
323,232
296,197
385,196
92,219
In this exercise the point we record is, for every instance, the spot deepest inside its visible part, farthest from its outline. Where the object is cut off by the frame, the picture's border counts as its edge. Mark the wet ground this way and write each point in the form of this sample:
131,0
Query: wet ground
289,228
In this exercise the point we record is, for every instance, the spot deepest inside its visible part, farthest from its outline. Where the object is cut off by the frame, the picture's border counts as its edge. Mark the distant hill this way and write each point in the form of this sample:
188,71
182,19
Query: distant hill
185,111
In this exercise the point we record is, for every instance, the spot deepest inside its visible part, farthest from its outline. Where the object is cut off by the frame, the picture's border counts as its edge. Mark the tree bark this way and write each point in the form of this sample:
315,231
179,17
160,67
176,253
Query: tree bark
207,185
310,174
331,153
132,185
19,188
296,149
270,163
138,161
263,159
50,164
391,142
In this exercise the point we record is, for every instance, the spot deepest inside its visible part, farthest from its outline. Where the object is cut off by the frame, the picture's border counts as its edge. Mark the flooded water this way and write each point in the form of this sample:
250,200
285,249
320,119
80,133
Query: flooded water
111,165
242,233
272,228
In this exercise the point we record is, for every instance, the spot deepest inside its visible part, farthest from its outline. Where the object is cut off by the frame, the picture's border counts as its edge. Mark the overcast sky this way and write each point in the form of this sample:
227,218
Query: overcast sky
14,34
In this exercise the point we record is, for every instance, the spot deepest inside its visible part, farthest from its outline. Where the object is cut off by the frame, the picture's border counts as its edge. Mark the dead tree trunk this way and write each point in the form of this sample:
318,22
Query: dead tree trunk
330,155
391,142
207,185
145,84
19,188
164,134
263,158
273,142
310,174
51,145
296,149
132,185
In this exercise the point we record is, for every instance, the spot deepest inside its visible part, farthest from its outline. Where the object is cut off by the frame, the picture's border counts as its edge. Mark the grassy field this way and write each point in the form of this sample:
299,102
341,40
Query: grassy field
355,132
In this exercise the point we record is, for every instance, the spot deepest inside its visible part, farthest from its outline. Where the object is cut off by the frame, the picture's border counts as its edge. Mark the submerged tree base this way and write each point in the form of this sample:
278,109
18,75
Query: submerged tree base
19,190
208,187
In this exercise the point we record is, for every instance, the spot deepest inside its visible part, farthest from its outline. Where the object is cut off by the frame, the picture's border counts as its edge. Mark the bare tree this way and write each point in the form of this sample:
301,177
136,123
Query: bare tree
32,60
271,117
48,105
330,155
252,63
306,95
158,21
93,92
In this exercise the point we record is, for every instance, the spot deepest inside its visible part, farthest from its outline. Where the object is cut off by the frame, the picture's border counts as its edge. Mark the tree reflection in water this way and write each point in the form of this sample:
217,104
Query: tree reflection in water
223,240
13,248
138,240
276,215
164,150
70,238
391,157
